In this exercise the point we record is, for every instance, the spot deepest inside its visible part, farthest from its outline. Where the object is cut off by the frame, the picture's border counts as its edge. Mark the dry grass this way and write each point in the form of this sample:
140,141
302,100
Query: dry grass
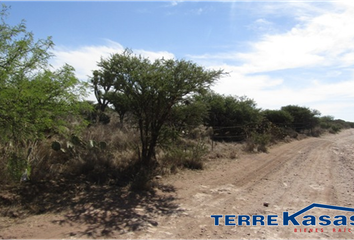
98,164
118,160
185,153
225,150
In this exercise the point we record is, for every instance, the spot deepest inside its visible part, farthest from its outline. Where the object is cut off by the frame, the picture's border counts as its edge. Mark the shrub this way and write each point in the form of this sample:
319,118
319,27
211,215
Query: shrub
334,129
257,142
186,154
316,132
16,165
280,118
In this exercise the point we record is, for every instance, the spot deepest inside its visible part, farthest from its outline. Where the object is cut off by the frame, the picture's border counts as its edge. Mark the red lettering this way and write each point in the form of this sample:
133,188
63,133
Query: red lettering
309,230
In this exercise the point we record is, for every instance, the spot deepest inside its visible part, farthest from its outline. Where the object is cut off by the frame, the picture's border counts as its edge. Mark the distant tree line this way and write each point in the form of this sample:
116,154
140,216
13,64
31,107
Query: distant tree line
163,100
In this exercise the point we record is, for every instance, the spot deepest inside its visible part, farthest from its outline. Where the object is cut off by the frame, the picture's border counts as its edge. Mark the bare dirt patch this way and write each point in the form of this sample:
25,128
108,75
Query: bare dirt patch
288,178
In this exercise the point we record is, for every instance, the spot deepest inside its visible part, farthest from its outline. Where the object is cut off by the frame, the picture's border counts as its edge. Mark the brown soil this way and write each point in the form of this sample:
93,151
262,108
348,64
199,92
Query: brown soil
288,178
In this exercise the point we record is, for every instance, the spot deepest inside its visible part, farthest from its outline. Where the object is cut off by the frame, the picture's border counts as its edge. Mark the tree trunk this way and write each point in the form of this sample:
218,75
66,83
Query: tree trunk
148,152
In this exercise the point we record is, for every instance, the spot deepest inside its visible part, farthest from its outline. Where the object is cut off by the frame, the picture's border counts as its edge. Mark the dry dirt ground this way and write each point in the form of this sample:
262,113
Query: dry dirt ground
289,177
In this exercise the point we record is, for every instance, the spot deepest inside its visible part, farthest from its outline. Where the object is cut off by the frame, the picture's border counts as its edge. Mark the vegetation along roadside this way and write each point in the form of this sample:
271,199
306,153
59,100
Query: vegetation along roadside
151,118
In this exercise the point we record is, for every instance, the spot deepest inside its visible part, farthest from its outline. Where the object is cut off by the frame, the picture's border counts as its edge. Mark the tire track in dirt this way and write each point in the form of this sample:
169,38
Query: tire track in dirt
290,177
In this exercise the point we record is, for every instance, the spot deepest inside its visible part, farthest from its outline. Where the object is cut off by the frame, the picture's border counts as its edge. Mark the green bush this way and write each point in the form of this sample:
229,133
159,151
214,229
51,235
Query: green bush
185,155
16,166
316,132
257,142
334,129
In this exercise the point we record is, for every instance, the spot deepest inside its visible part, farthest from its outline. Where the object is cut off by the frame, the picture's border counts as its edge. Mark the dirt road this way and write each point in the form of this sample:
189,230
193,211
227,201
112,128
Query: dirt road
289,178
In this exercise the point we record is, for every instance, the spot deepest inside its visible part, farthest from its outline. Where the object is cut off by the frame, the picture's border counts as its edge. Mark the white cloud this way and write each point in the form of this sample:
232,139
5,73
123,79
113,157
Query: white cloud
154,55
236,83
323,38
261,25
84,59
272,93
301,10
175,3
332,98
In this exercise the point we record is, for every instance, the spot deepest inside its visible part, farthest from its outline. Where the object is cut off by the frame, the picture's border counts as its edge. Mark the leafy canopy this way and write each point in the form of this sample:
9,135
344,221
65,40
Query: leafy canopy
303,117
280,118
151,90
232,117
33,99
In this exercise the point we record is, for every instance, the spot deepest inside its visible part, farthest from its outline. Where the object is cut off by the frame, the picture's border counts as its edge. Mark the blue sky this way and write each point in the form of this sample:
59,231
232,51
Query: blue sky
276,52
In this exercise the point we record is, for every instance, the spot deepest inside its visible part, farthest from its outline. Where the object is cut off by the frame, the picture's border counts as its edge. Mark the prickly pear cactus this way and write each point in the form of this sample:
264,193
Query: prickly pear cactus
56,146
102,145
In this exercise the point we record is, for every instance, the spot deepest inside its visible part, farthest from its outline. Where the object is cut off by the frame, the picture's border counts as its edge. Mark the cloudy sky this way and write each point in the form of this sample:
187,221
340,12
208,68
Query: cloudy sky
276,52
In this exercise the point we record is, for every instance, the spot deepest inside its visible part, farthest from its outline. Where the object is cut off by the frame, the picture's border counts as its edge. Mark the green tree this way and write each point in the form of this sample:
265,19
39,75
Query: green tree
31,106
334,125
183,119
153,89
232,118
189,114
120,103
34,100
103,85
303,117
280,118
19,54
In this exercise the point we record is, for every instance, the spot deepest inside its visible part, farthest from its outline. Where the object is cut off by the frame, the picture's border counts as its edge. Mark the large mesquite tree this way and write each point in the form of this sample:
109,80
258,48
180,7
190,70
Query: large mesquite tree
34,99
152,89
